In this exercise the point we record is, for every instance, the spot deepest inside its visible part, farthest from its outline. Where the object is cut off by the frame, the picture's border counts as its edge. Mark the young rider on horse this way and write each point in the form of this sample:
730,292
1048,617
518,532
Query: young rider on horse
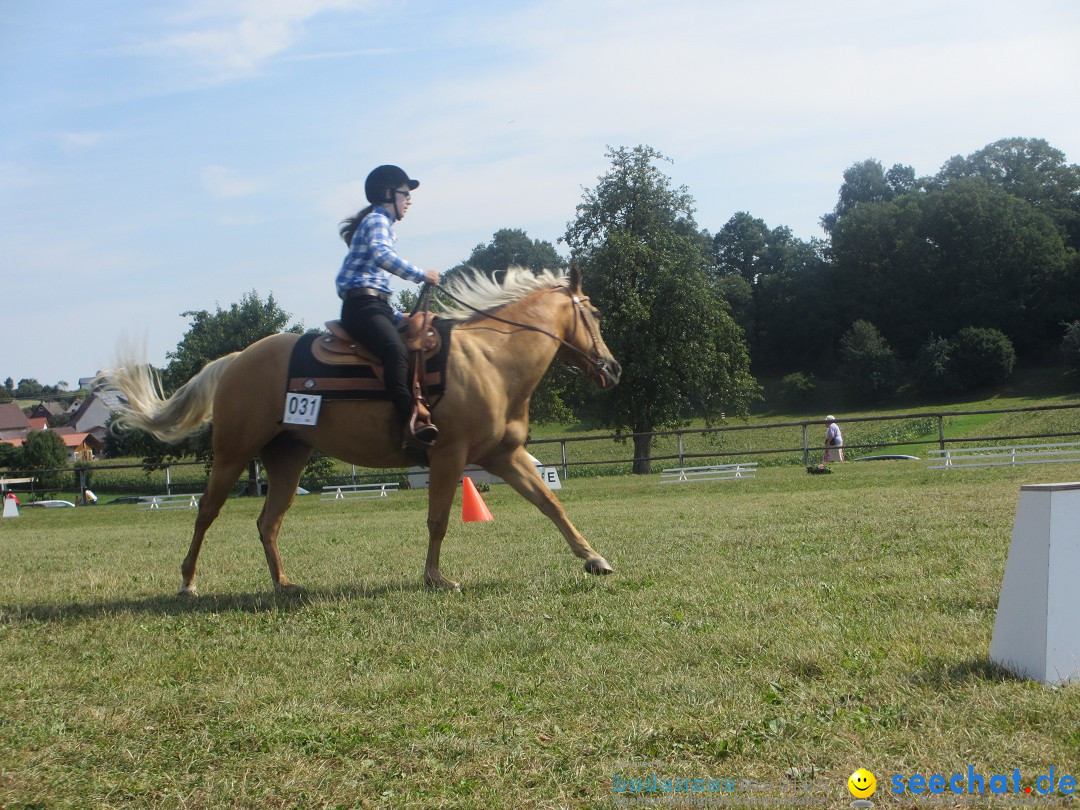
364,288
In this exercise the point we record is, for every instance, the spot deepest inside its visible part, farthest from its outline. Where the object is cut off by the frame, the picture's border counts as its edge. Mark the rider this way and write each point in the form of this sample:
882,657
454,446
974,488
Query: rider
364,288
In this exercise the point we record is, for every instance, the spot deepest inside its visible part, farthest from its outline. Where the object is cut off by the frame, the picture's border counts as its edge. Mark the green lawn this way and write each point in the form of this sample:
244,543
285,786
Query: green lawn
786,626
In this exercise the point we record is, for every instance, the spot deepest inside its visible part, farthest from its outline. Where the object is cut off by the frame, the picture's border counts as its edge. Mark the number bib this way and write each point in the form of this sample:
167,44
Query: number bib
301,409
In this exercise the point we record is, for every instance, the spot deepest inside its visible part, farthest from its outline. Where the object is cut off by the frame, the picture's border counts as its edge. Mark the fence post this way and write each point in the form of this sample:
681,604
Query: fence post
168,480
805,445
565,475
680,449
82,481
941,431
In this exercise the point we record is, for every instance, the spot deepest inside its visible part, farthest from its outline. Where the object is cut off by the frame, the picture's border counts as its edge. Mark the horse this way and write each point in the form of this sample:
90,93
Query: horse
506,333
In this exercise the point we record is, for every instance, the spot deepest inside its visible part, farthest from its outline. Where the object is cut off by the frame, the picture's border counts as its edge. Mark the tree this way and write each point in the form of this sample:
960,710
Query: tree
867,182
981,357
867,362
741,247
933,367
999,262
29,389
1070,345
43,453
510,247
940,260
646,266
212,335
754,264
1028,168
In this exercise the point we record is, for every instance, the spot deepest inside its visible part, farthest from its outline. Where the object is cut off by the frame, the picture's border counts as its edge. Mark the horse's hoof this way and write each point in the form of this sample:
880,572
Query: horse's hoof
442,584
187,590
287,588
598,566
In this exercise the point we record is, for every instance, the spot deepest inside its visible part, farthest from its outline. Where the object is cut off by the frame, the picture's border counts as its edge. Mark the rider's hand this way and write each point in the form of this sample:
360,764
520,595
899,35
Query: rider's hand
432,277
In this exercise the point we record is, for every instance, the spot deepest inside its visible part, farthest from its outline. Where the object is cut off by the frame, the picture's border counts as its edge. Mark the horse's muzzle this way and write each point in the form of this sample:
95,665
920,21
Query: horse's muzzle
608,373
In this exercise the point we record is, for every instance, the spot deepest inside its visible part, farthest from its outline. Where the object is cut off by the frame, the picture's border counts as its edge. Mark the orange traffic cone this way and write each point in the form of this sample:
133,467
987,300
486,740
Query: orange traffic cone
473,508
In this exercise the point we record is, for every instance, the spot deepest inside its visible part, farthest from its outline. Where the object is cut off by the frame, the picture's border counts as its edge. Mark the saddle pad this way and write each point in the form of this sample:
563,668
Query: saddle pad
358,381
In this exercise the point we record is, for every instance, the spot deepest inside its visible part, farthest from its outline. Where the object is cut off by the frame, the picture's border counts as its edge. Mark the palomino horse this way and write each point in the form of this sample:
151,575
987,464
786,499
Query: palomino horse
506,335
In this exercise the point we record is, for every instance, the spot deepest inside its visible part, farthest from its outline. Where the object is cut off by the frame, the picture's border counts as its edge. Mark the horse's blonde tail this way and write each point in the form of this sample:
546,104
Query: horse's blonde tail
170,420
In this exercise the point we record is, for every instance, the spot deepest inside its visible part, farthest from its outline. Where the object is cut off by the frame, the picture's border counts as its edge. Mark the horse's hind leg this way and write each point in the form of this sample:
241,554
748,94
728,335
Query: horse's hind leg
222,477
284,459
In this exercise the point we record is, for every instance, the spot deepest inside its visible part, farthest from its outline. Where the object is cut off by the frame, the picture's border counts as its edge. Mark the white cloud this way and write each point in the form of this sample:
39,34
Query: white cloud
77,141
224,183
235,37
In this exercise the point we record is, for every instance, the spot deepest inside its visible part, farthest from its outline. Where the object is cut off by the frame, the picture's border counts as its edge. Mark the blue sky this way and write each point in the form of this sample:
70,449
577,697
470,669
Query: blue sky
157,157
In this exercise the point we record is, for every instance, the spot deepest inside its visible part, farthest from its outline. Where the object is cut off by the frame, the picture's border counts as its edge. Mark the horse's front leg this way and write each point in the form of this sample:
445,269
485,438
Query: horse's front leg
518,470
442,483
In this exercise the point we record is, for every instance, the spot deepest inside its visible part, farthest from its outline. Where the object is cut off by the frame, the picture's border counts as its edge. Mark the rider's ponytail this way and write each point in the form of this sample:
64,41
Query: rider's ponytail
349,226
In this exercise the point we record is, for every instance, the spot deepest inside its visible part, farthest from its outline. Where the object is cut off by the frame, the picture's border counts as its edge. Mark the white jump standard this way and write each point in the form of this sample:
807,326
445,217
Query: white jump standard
716,472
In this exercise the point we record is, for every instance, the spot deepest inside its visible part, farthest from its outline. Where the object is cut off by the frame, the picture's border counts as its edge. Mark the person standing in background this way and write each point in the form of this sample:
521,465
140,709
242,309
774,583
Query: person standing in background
834,441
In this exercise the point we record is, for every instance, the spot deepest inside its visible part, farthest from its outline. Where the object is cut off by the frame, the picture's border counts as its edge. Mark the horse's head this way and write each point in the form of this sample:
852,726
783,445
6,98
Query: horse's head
584,346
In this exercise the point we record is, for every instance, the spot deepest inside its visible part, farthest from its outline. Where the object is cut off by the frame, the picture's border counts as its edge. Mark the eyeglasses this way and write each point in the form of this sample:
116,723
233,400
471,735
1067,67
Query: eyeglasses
406,194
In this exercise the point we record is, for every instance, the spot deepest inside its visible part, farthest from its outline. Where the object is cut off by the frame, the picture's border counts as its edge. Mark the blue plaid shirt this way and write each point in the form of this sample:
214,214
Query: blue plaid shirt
372,258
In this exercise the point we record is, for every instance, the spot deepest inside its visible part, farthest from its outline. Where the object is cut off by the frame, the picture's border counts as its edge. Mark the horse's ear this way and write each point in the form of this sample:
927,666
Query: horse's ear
575,278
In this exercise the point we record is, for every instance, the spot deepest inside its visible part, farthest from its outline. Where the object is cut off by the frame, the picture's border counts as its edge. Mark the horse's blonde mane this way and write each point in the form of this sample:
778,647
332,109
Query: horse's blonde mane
483,292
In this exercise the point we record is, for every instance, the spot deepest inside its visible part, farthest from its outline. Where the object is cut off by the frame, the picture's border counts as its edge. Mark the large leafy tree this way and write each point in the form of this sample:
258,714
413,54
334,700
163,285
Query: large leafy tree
647,268
967,254
757,267
214,334
43,453
1028,168
867,362
511,247
742,247
868,182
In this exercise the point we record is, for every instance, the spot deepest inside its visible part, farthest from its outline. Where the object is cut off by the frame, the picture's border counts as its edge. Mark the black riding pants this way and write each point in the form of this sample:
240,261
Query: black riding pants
371,321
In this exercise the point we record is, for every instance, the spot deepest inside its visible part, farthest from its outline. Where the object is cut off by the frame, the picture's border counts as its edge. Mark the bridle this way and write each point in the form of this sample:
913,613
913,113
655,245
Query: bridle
599,365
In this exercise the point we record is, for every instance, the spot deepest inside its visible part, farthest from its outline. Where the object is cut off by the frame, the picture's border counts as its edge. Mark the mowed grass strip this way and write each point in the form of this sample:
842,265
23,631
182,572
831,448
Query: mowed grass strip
789,624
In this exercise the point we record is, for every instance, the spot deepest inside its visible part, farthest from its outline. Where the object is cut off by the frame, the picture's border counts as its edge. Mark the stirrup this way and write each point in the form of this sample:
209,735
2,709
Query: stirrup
418,427
427,434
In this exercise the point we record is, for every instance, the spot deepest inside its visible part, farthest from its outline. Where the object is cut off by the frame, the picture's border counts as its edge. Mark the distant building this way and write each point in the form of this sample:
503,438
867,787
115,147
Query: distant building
80,446
95,410
12,418
46,410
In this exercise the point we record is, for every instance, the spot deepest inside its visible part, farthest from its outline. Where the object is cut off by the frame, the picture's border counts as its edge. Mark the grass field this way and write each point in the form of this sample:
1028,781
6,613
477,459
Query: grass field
785,627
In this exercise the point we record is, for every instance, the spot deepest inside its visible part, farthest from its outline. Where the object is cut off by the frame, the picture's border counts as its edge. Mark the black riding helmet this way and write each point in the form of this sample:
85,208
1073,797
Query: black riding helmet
383,178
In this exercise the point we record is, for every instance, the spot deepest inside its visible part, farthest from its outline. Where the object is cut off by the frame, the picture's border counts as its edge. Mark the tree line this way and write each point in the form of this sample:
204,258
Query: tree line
990,242
30,388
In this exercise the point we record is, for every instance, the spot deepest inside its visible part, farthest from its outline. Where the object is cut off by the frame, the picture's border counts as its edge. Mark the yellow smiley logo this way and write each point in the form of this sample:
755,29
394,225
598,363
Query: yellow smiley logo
862,784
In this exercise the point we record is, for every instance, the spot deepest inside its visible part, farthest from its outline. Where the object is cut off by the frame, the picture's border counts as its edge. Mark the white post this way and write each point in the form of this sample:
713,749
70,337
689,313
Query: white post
1037,630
